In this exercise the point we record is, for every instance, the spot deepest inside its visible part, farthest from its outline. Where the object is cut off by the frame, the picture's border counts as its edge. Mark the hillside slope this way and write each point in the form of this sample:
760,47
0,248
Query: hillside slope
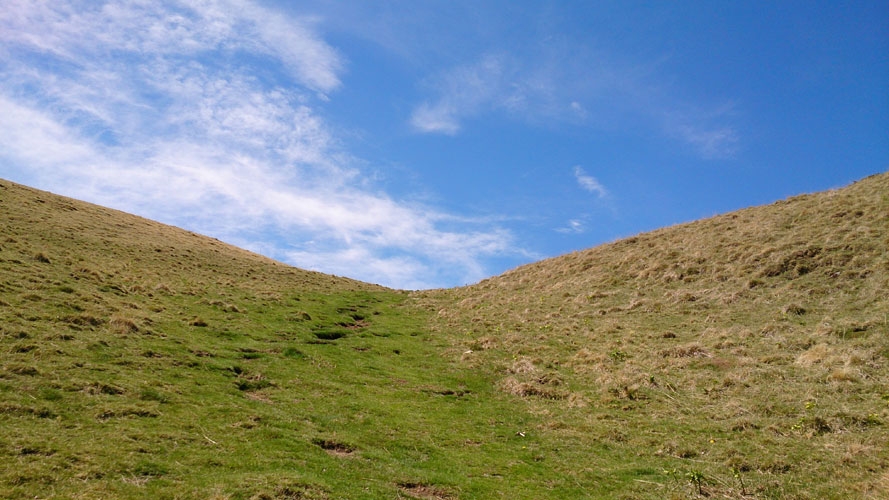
750,346
139,360
74,234
742,356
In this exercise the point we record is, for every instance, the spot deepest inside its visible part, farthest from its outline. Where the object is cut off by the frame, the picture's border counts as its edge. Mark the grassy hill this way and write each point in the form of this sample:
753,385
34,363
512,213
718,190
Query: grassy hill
743,356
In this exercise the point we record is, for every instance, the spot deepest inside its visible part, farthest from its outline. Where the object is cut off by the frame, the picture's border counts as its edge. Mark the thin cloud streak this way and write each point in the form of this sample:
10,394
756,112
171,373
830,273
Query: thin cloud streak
574,226
585,88
712,144
160,101
463,92
589,183
495,83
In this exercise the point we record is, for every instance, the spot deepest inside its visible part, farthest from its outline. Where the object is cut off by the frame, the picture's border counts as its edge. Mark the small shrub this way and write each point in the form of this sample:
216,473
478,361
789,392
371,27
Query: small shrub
618,356
696,478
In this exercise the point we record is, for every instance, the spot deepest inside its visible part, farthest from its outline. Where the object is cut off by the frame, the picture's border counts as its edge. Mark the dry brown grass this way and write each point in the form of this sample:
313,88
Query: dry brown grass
741,321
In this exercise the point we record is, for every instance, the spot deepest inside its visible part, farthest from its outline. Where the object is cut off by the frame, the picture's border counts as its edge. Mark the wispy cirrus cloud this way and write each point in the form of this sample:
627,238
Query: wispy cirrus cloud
495,83
589,183
463,92
205,115
145,28
441,117
579,86
574,226
712,143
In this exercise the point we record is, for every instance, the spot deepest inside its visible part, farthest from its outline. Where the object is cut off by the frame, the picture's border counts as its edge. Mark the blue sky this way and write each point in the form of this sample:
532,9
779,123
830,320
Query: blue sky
427,144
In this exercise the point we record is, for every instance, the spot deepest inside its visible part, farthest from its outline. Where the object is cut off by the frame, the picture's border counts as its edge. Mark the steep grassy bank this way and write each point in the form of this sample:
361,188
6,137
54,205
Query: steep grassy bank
141,361
744,354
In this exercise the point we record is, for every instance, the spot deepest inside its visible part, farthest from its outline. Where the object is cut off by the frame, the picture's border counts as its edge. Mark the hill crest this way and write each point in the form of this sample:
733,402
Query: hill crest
117,240
755,237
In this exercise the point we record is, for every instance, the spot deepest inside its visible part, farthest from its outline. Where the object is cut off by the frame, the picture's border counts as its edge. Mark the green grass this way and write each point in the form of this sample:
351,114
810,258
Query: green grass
141,361
256,404
739,357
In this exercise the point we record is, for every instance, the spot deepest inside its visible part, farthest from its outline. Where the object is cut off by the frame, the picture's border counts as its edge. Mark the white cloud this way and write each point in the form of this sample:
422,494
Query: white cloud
32,135
439,118
579,110
711,143
707,130
405,270
160,108
529,90
463,92
589,183
555,81
312,60
574,226
147,28
532,89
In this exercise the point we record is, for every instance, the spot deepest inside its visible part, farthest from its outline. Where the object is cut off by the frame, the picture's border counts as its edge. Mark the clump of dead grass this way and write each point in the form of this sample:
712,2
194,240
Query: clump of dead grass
522,365
424,491
541,388
123,325
692,350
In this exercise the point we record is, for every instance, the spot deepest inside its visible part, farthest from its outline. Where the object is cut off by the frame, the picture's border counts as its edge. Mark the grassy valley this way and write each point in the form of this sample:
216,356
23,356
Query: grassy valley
743,356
